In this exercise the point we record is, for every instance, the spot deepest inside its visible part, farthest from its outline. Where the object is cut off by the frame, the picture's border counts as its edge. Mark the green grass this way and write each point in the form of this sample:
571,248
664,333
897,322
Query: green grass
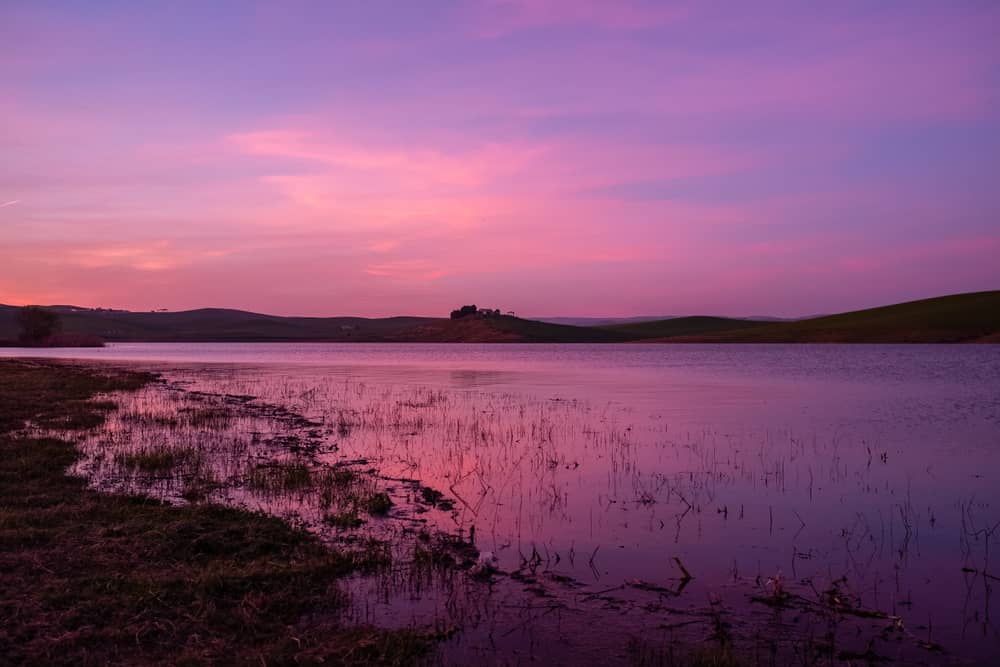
215,324
533,331
949,319
505,329
90,578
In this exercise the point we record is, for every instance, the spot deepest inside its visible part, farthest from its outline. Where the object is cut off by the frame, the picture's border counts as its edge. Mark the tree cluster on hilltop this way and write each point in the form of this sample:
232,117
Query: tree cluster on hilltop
472,310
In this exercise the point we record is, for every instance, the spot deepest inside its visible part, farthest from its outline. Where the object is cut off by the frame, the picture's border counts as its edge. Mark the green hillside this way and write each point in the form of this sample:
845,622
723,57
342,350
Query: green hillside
216,324
506,329
223,325
544,332
972,317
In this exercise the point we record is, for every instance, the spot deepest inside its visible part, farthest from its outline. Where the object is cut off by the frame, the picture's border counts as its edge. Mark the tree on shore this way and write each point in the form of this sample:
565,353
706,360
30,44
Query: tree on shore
464,311
37,324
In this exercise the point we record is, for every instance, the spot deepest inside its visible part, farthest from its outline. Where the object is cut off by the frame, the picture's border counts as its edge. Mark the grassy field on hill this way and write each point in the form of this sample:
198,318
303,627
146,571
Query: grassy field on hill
959,318
506,329
533,331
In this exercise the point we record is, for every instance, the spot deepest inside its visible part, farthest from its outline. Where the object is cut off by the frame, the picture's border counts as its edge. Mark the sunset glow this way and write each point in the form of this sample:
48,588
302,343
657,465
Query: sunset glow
560,157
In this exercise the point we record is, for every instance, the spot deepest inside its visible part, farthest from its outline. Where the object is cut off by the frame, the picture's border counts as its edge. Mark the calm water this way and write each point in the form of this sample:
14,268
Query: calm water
869,471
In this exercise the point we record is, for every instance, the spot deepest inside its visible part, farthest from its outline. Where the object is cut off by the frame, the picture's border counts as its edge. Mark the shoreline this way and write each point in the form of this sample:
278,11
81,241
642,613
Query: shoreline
94,578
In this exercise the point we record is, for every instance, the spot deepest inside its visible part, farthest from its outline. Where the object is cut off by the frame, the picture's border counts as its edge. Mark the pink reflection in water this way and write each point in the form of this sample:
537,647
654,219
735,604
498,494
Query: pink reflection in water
864,468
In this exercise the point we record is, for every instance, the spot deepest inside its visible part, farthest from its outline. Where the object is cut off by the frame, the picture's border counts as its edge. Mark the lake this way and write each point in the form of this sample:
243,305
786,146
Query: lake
635,495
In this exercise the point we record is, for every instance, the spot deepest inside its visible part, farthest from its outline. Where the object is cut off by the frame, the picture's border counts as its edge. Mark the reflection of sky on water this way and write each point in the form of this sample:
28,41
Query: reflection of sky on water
816,462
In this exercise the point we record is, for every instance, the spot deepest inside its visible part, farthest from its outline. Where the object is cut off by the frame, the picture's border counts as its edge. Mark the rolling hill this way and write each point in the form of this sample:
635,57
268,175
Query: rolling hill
681,326
601,321
507,329
224,325
958,318
972,317
216,324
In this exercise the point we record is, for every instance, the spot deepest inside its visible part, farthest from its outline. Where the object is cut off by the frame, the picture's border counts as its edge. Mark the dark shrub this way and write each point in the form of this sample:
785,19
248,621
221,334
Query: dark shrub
37,324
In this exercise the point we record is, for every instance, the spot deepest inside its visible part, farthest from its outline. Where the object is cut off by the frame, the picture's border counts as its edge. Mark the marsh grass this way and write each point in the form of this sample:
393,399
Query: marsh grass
494,453
345,520
159,460
91,578
338,485
368,554
206,417
444,551
199,486
280,477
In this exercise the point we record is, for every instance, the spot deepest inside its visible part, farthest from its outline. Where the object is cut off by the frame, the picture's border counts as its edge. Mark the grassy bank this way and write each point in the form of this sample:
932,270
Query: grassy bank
90,578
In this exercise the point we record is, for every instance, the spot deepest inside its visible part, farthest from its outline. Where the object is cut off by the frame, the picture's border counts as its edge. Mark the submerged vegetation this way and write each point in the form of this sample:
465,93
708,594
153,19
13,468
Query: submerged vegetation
289,476
157,459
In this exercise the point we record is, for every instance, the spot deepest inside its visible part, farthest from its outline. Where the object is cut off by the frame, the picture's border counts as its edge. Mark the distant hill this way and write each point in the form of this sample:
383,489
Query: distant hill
602,321
682,326
216,324
973,317
508,329
224,325
959,318
609,321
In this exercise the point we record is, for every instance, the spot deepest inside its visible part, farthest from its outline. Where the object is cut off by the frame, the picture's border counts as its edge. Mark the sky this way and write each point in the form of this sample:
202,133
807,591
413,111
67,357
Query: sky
551,157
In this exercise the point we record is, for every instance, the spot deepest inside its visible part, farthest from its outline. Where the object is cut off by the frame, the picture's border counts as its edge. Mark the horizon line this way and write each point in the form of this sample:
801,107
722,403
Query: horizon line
525,317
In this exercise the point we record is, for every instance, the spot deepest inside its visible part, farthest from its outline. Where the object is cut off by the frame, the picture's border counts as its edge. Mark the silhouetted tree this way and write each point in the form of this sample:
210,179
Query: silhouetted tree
464,311
37,324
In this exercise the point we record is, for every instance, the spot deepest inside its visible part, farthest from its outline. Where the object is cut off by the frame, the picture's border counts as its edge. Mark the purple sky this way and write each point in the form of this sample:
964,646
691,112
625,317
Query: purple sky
561,157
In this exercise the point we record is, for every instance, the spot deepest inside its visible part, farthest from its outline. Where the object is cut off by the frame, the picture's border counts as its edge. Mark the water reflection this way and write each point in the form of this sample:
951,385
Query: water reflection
852,506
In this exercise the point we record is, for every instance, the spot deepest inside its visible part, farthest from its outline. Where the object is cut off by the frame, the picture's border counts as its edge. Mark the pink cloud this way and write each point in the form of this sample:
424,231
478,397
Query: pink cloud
408,270
468,168
364,185
298,165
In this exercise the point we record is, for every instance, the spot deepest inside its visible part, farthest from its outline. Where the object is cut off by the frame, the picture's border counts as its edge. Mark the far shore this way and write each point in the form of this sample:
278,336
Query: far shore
959,318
